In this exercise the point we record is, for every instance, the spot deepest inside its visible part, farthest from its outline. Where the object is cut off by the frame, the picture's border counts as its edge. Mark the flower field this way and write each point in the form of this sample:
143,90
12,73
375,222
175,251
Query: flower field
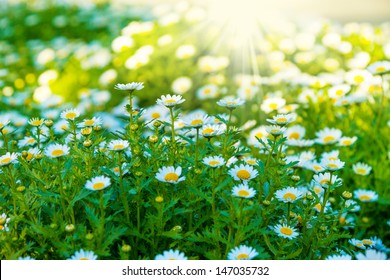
133,132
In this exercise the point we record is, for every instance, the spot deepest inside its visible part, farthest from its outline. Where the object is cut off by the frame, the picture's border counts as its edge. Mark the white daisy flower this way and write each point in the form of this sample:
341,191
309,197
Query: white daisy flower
379,67
282,119
286,231
361,168
56,150
27,258
196,120
357,77
353,205
242,252
295,132
70,114
36,122
247,92
8,158
61,126
250,160
325,180
275,130
155,112
31,153
170,174
328,136
83,255
300,143
171,255
4,222
181,85
366,195
230,102
95,121
118,145
338,90
288,195
257,133
207,92
243,172
338,258
332,165
27,141
170,101
314,166
332,155
98,183
371,254
244,191
130,86
368,242
3,122
357,243
347,141
211,130
214,161
318,207
272,104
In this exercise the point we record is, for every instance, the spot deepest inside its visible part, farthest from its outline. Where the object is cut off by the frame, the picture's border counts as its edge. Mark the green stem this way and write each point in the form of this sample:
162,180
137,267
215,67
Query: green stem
196,147
122,190
288,212
130,112
39,137
5,140
173,140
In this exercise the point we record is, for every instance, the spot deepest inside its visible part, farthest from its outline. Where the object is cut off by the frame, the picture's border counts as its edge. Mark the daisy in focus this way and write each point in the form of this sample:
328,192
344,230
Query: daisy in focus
214,161
70,114
243,172
361,168
57,150
288,195
242,252
170,174
130,86
366,195
8,158
118,145
286,231
83,255
243,191
170,101
98,183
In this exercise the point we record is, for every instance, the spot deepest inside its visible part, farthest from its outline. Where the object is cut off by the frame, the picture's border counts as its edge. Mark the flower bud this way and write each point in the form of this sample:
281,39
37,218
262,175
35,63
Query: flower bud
134,127
87,143
153,139
86,131
159,199
295,178
138,173
177,229
21,188
346,195
89,236
48,123
97,128
126,248
266,202
70,228
38,156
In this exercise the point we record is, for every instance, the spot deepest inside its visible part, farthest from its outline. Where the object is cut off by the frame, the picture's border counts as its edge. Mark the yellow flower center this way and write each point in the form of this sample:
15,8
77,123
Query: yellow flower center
364,197
214,162
196,122
5,160
289,196
118,147
57,153
170,101
286,231
1,227
318,206
171,177
281,120
116,169
317,190
317,167
339,92
29,156
36,122
243,174
31,141
208,130
358,79
1,125
64,127
171,259
242,256
361,171
70,115
259,135
367,242
273,106
98,186
347,142
329,138
156,115
248,91
380,69
250,161
231,103
332,165
243,193
89,122
294,135
275,130
324,181
342,220
359,244
83,259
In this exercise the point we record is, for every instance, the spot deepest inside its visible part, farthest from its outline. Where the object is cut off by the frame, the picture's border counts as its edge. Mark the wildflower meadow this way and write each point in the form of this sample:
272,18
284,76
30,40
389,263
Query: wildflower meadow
138,133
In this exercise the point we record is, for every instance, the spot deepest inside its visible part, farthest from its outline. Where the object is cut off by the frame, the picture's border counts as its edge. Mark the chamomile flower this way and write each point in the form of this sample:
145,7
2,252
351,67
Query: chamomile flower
371,254
281,119
357,77
27,141
286,231
56,150
368,242
170,101
118,145
4,222
328,136
210,130
95,121
275,130
3,122
243,172
230,102
318,207
214,161
32,153
196,120
327,179
339,91
295,132
70,114
83,255
36,122
288,195
338,258
314,166
272,104
207,92
244,191
361,168
98,183
242,252
347,141
171,255
130,86
332,155
181,85
300,143
8,158
357,243
332,165
257,133
170,174
366,195
352,205
250,160
379,67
